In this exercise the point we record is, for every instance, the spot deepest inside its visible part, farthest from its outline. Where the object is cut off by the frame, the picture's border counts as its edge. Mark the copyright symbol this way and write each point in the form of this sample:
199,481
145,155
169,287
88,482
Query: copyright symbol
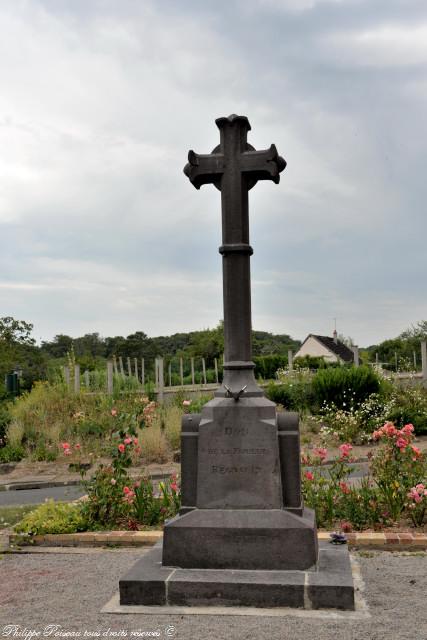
170,631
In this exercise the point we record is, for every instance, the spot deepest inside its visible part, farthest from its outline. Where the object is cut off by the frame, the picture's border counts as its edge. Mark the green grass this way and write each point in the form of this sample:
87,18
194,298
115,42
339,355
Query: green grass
9,516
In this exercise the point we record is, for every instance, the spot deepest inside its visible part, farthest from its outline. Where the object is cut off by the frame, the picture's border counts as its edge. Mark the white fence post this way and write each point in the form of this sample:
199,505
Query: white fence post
110,377
77,378
424,359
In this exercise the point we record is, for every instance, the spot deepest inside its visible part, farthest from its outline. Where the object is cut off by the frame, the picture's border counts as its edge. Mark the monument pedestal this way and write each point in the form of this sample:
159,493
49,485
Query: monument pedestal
226,548
257,539
327,585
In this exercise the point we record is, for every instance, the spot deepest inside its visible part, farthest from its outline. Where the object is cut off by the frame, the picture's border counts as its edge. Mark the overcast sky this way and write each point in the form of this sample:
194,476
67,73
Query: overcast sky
100,101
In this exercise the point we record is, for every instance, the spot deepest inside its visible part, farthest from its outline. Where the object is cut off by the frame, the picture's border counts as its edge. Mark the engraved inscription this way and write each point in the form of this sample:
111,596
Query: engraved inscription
222,469
233,451
236,431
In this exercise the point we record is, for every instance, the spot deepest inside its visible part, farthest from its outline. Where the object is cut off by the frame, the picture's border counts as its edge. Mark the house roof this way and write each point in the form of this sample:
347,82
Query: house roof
338,348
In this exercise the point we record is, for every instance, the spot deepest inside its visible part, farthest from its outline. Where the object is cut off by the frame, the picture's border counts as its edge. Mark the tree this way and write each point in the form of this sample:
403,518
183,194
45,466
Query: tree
18,351
15,331
58,347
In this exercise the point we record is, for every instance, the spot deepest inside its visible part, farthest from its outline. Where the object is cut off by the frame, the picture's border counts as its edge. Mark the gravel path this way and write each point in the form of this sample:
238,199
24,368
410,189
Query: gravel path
69,589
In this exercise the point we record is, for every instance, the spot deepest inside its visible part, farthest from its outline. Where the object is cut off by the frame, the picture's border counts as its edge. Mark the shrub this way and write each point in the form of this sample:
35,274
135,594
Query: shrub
53,517
395,490
115,499
12,453
295,393
313,363
397,466
5,418
409,406
345,387
266,366
356,423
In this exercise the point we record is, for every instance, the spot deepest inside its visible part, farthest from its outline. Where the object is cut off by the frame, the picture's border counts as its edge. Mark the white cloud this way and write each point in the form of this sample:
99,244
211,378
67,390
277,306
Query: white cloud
384,46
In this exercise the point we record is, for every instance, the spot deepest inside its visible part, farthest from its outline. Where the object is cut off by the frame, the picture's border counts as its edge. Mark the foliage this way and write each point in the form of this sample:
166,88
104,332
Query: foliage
113,498
398,472
10,515
354,423
344,385
4,421
53,517
294,393
417,503
313,363
409,405
11,453
149,509
15,331
17,350
402,347
397,466
266,366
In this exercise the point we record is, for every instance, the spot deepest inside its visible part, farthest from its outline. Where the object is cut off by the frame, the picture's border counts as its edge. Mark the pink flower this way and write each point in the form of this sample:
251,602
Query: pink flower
137,484
408,429
389,429
127,440
174,486
77,446
65,445
67,452
320,452
126,490
309,475
416,451
113,412
401,443
135,441
345,450
121,448
113,481
419,487
344,487
186,403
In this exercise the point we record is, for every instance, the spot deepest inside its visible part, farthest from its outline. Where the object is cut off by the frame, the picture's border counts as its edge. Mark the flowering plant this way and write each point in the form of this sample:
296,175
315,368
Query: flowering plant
397,466
417,503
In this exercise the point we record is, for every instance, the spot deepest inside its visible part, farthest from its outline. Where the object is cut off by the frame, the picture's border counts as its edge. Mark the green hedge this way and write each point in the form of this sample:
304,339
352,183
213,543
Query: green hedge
345,387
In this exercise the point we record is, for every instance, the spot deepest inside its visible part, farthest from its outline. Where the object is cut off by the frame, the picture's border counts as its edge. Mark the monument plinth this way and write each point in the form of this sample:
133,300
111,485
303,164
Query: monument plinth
243,535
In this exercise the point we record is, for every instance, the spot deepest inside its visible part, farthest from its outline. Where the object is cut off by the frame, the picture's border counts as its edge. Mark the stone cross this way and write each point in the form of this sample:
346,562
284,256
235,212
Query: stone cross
234,167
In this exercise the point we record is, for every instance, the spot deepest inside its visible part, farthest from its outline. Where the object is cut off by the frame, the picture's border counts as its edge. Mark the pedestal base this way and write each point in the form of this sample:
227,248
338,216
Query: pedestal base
249,539
328,585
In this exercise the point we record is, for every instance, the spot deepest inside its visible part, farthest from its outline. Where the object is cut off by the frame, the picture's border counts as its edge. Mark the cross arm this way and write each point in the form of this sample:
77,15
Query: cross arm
204,168
263,165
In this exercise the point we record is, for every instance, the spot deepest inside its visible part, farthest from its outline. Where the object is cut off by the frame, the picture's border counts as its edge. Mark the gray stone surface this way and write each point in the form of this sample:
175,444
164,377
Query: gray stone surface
241,539
327,585
289,451
238,459
146,581
189,457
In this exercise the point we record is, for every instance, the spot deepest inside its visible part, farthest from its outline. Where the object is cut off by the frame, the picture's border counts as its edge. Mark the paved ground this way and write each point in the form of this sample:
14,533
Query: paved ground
69,589
37,496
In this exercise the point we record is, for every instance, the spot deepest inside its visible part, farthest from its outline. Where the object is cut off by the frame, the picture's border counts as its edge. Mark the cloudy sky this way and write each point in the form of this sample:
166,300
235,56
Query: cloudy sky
100,101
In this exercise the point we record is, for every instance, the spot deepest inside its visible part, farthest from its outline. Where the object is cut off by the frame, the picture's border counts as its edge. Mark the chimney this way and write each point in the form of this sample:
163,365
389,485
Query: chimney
335,336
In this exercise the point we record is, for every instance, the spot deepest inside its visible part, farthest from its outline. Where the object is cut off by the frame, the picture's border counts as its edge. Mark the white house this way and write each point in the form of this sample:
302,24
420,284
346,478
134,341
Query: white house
331,349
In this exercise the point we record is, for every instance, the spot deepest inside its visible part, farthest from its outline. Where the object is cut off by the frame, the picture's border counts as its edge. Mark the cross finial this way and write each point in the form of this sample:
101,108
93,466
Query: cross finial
234,167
